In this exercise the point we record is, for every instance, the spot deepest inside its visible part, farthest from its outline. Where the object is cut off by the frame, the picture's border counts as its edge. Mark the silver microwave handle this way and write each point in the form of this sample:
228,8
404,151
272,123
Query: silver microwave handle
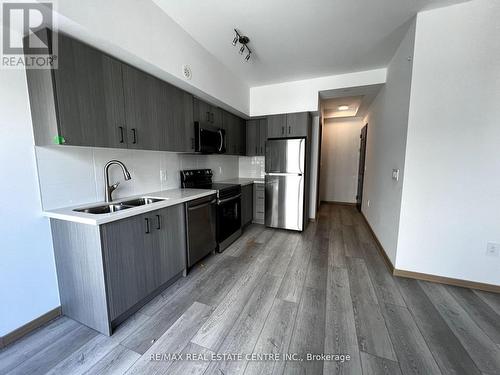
221,140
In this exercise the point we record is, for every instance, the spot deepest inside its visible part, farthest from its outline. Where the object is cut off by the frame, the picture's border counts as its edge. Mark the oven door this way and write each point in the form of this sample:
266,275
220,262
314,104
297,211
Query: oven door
209,139
228,217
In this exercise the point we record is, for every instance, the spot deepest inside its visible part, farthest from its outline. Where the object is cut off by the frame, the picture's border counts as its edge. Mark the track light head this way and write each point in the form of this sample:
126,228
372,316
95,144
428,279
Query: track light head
244,39
235,40
242,49
247,57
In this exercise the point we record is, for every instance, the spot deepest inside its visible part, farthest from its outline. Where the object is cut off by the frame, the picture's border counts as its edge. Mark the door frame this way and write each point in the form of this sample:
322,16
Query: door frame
361,167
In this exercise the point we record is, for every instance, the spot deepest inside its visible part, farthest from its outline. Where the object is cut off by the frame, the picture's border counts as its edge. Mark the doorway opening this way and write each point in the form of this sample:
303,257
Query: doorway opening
343,139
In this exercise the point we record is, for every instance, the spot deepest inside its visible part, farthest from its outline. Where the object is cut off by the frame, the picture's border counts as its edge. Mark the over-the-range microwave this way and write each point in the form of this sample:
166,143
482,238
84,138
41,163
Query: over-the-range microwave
209,139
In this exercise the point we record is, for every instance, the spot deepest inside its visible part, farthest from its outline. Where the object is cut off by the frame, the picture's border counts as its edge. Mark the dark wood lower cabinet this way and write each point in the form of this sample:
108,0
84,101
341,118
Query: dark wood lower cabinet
107,272
246,204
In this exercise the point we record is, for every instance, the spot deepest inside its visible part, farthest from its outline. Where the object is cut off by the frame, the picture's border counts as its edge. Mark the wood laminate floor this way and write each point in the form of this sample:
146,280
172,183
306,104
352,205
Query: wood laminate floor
326,290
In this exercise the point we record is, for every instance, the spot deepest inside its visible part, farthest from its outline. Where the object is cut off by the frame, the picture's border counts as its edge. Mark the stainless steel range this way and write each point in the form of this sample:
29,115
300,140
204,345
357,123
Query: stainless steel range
228,223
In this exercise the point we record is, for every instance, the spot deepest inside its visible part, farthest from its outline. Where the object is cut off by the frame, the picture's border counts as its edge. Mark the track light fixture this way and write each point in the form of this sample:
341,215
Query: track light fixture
243,40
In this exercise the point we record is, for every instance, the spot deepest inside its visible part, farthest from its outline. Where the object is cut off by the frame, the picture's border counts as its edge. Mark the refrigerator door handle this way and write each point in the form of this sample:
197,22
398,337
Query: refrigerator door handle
300,157
283,174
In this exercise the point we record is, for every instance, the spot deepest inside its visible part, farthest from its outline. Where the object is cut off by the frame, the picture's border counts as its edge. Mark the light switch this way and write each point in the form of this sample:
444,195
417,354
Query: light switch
395,174
493,249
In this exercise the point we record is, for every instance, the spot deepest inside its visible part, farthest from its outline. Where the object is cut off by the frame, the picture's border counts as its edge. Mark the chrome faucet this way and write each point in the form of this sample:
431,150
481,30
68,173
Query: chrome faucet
110,188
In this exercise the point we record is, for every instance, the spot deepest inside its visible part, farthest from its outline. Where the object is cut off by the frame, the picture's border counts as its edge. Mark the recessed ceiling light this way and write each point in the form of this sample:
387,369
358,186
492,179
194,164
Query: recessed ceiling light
343,107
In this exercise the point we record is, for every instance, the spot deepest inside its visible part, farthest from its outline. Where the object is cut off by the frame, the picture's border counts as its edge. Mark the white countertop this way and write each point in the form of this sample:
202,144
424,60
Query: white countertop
172,197
244,181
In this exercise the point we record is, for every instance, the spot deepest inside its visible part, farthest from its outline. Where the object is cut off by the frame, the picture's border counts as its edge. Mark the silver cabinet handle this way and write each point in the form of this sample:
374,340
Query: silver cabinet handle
148,229
158,225
134,133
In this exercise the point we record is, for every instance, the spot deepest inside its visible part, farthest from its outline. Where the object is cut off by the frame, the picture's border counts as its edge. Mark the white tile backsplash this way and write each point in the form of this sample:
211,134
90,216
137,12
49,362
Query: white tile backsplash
66,176
144,168
251,166
169,171
224,167
75,175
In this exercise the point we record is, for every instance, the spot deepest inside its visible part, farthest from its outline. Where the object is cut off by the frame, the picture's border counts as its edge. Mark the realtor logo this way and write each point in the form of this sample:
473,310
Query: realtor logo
24,43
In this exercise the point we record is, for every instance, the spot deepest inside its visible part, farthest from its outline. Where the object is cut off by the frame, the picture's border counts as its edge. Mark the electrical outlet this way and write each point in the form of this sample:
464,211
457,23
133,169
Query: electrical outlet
163,175
493,249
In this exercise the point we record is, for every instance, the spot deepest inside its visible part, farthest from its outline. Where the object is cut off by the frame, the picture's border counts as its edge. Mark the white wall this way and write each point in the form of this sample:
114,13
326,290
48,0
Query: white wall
313,168
74,175
340,159
451,193
302,96
386,141
28,284
141,33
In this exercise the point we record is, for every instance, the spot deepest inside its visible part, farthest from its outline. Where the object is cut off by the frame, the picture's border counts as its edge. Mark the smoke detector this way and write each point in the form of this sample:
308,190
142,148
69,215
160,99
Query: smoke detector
186,72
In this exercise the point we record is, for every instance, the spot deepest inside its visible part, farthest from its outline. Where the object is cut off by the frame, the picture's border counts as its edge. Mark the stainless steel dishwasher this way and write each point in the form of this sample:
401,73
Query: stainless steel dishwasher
201,219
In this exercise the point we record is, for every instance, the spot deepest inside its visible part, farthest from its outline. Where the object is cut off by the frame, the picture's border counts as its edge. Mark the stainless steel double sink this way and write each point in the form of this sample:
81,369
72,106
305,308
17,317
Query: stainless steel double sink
114,207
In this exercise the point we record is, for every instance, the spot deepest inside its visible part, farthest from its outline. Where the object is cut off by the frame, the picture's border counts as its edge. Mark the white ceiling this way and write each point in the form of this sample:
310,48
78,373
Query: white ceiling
357,98
298,39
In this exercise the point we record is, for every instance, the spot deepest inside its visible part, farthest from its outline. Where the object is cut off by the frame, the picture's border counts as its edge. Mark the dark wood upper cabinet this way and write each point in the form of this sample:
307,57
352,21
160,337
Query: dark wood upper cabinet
207,113
235,133
297,124
276,126
288,125
81,102
256,136
175,119
144,100
261,151
252,138
93,99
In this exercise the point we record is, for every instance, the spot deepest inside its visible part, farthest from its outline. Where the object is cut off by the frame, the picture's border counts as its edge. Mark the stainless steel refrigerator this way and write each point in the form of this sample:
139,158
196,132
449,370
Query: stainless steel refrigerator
284,183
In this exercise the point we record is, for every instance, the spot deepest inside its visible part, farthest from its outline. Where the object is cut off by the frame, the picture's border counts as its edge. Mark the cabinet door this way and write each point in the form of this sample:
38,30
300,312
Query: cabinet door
144,95
89,96
125,256
229,126
216,116
176,126
252,137
243,135
276,125
187,121
262,137
169,252
201,111
297,124
246,204
258,203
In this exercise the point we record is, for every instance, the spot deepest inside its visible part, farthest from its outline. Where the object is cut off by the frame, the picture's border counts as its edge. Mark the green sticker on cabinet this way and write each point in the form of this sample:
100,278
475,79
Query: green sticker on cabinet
59,140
